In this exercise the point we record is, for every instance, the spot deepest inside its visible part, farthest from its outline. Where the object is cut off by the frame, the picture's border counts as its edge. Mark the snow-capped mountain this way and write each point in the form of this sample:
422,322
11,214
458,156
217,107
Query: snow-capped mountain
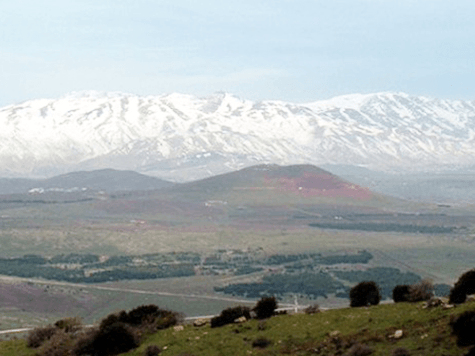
183,137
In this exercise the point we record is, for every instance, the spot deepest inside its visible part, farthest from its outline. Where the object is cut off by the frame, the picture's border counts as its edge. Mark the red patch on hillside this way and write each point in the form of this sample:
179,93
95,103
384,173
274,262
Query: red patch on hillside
320,185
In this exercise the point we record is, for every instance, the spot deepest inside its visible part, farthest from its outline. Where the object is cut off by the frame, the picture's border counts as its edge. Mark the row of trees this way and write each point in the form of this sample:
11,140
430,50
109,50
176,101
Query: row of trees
368,292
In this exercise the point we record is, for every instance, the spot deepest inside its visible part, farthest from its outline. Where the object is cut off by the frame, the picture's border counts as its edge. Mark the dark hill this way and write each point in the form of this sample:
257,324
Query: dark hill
108,180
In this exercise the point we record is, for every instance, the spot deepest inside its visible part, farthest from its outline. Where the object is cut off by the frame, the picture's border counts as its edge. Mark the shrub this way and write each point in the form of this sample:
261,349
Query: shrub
38,336
467,280
111,340
463,327
166,319
152,350
364,293
228,316
265,307
400,351
112,319
401,293
415,293
58,345
457,295
261,343
465,285
360,350
312,309
142,314
69,324
421,291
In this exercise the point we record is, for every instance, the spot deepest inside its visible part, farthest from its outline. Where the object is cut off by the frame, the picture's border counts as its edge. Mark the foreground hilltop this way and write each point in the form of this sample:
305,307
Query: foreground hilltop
378,331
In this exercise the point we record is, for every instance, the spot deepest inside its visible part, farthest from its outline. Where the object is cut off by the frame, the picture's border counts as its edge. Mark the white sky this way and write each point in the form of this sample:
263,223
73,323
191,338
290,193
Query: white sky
292,50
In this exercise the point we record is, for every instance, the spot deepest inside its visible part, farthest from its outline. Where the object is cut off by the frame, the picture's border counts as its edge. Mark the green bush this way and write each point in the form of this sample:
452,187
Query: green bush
464,286
228,316
401,293
265,307
110,340
364,294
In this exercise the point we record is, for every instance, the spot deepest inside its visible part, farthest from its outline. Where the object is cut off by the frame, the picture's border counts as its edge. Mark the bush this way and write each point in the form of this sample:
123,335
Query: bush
59,345
457,295
364,293
312,309
228,316
69,325
421,291
143,314
464,286
110,340
463,327
152,350
38,336
400,351
415,293
265,307
112,319
401,293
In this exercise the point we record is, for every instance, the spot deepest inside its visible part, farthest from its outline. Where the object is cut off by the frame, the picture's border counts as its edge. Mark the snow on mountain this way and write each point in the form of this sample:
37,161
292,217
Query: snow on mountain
184,137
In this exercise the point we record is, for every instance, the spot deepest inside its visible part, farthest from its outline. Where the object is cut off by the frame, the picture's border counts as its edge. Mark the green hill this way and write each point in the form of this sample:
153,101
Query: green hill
332,332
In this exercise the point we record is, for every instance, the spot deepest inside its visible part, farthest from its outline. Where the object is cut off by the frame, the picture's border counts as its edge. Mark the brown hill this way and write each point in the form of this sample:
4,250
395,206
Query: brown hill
272,184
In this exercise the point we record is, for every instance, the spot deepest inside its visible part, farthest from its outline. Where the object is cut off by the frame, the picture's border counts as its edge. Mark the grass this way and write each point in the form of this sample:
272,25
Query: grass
425,332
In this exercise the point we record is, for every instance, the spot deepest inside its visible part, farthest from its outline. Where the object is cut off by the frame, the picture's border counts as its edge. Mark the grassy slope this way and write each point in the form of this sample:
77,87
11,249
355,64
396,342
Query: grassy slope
426,332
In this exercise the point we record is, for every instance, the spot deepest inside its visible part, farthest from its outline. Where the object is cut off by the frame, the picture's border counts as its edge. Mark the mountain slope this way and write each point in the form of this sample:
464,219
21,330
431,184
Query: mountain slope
182,137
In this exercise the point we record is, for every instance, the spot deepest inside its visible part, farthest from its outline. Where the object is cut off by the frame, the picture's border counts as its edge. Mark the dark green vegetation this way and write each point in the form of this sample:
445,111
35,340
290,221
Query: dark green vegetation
388,227
307,275
229,315
364,294
311,285
117,333
425,332
88,268
464,286
385,277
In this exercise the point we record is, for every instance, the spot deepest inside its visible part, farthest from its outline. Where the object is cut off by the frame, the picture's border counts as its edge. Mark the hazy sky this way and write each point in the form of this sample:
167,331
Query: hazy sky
293,50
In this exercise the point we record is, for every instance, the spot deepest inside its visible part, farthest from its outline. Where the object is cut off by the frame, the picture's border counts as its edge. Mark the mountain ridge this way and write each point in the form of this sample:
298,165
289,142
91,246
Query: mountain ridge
181,137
